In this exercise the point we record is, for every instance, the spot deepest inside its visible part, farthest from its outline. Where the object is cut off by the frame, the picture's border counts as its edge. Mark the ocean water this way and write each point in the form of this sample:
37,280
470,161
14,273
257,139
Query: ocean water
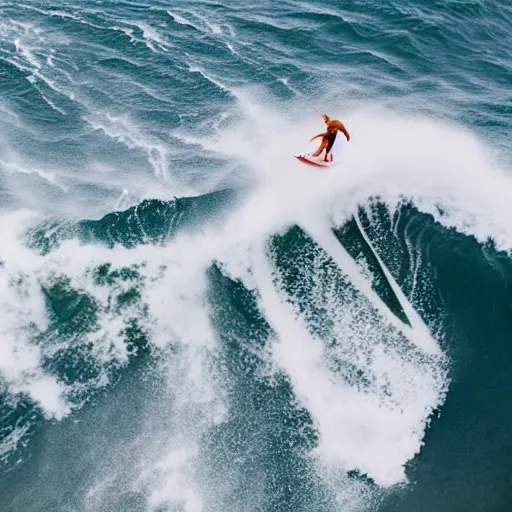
192,320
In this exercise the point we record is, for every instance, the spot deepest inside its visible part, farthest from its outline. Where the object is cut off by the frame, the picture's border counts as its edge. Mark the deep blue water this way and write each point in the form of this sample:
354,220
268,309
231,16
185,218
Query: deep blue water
192,320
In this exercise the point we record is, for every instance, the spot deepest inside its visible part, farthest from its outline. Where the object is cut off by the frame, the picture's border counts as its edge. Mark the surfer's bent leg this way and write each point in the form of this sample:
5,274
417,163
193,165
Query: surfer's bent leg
323,145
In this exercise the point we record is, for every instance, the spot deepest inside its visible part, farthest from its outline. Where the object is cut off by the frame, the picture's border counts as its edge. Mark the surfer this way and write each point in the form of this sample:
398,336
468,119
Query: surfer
333,127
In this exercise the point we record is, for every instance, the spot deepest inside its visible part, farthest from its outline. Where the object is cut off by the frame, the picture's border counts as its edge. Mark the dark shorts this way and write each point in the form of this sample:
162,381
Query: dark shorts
331,137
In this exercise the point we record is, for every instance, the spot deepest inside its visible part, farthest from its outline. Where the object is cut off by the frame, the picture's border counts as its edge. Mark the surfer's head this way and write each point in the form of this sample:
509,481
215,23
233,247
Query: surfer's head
326,118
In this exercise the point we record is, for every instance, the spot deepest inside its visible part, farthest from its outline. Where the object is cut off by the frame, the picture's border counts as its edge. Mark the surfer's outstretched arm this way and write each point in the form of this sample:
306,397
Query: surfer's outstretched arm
344,131
317,136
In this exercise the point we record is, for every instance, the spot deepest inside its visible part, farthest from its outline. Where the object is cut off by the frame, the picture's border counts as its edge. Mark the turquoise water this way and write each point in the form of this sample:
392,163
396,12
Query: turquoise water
192,320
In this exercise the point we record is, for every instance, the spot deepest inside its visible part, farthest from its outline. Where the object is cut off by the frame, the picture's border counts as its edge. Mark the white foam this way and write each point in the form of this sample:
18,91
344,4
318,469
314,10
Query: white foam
22,305
126,31
164,460
359,429
175,488
149,32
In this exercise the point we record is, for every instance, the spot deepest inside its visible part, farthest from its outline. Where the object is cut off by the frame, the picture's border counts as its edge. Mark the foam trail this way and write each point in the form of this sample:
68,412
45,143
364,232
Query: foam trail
358,429
48,101
207,76
123,129
181,20
11,442
325,238
415,319
48,176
